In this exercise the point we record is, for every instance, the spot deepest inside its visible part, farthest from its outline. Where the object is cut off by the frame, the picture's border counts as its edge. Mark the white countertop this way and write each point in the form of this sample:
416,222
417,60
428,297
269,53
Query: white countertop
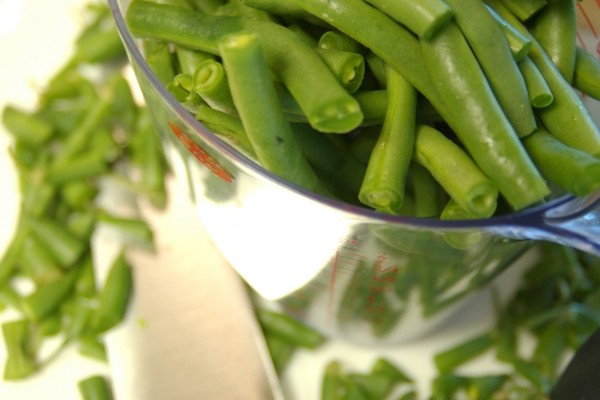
179,341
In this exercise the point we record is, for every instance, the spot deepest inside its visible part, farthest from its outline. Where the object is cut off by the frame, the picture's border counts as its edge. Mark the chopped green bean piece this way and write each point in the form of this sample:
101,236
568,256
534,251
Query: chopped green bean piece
114,296
96,387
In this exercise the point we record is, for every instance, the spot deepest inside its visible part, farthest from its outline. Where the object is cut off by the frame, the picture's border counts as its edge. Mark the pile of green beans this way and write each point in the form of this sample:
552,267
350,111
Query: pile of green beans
557,306
377,78
84,131
552,313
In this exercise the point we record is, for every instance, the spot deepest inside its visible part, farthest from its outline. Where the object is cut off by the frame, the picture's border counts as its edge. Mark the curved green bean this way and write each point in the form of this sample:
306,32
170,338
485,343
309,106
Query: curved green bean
260,110
573,170
385,179
524,9
478,119
555,28
210,83
423,17
486,39
538,91
567,118
455,171
586,76
518,43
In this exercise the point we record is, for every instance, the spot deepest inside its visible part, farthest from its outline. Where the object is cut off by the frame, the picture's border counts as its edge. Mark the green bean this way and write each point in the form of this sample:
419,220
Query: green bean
207,6
342,172
385,179
485,387
567,114
555,28
363,142
80,136
446,161
423,18
12,253
133,228
445,386
82,223
338,41
95,387
227,126
188,60
586,76
85,286
306,36
260,111
65,247
67,83
211,84
289,329
377,67
92,347
524,9
571,169
26,127
280,351
538,91
19,362
447,360
348,67
518,43
479,28
99,43
330,110
459,240
50,325
48,297
9,297
90,164
114,297
333,386
180,87
38,264
373,104
410,395
532,374
237,7
355,392
282,8
385,37
550,348
177,25
78,194
374,386
39,196
160,59
78,314
153,166
426,191
24,156
478,120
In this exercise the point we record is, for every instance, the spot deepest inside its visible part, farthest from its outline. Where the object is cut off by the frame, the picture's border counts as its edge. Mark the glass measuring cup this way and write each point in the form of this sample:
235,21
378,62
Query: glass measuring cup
346,270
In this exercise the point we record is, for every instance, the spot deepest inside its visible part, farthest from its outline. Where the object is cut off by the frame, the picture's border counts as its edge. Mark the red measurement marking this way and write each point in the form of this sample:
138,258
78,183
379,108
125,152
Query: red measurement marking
587,19
200,154
345,262
334,267
382,281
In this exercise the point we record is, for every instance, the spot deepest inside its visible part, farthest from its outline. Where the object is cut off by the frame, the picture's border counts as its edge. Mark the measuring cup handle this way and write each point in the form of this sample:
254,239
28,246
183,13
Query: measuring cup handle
575,223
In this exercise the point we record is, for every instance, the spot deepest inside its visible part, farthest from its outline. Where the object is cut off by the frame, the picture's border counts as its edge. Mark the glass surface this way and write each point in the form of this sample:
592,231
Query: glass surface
348,271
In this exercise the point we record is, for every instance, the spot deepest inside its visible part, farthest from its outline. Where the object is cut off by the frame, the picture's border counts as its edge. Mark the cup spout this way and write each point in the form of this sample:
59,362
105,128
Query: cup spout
573,222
